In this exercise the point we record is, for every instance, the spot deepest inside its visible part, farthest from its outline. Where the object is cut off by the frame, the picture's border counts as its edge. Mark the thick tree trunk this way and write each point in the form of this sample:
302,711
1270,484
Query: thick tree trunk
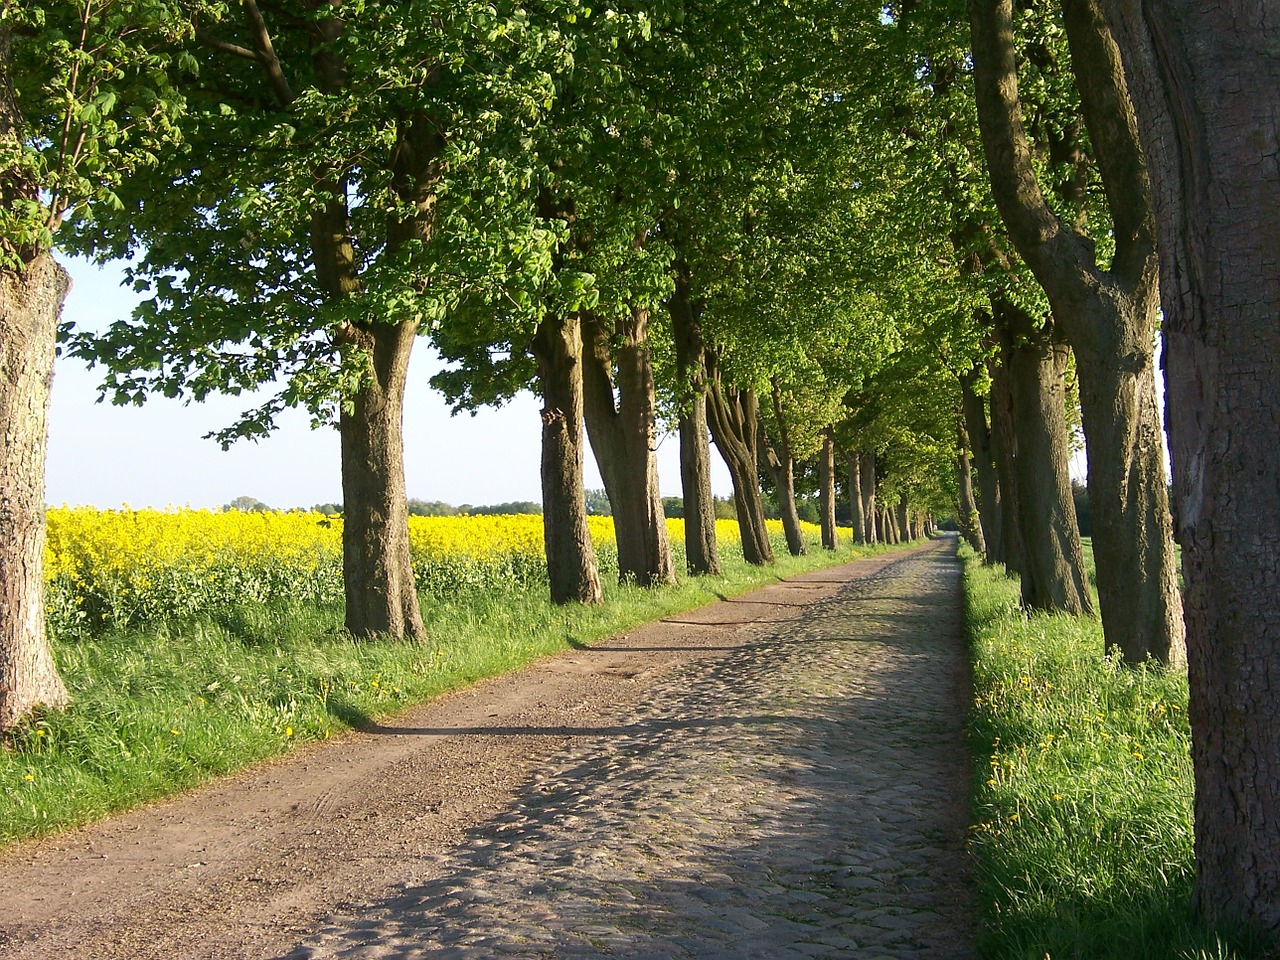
30,305
623,434
382,598
1053,576
827,493
782,470
857,516
988,492
701,552
970,523
1203,78
903,518
1108,316
734,420
869,497
571,560
1003,448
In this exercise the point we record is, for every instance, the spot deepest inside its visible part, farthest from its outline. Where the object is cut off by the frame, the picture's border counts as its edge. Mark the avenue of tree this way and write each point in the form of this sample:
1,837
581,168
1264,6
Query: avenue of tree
889,257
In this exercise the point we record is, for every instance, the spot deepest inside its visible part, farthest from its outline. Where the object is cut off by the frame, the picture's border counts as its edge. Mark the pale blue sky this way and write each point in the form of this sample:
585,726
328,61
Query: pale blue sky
102,455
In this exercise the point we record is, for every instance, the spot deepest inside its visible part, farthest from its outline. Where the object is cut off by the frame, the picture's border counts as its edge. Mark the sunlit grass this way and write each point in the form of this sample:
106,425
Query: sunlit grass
1083,789
165,707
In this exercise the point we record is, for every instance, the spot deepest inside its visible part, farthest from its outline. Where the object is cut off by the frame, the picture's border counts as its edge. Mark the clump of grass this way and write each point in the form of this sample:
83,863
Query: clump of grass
1083,789
163,708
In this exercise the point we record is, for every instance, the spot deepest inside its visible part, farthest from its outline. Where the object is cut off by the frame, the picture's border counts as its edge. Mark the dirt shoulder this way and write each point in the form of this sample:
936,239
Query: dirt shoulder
251,864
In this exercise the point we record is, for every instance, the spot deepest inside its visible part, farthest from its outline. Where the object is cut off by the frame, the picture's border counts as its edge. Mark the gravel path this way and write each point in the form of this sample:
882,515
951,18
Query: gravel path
780,776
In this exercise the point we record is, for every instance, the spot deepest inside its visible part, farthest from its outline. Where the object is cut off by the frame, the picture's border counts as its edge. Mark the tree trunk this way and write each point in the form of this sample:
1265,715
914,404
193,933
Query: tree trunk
1003,448
1108,316
571,560
857,516
988,494
1053,564
1203,78
30,306
782,469
701,552
734,420
903,519
623,436
869,497
382,598
827,497
970,523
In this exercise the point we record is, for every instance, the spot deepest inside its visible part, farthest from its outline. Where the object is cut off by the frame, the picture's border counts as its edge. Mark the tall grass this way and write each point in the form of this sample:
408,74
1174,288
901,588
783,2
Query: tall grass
1083,789
161,708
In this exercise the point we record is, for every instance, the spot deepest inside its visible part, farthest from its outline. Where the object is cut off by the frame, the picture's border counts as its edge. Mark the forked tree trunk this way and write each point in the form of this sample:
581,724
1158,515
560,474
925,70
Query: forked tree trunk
1003,451
30,305
970,523
827,493
988,492
856,515
782,470
868,485
382,598
1203,78
571,560
1109,316
623,432
702,554
1053,564
734,420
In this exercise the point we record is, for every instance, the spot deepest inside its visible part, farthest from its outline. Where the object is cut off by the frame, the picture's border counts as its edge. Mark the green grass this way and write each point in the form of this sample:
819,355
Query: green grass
1083,789
165,708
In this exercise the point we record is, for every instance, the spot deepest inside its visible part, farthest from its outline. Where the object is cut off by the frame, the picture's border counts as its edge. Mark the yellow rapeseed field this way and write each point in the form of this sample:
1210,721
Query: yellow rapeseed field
128,566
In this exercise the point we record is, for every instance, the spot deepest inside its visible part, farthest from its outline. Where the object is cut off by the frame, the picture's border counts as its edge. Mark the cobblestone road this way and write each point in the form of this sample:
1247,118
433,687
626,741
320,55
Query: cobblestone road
803,796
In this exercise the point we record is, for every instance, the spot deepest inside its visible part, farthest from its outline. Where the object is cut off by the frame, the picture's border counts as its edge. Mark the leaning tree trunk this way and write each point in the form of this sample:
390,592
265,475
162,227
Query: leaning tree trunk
868,486
988,493
624,440
782,469
856,515
1203,79
30,305
970,523
571,560
734,420
382,598
1052,561
1108,316
702,554
827,493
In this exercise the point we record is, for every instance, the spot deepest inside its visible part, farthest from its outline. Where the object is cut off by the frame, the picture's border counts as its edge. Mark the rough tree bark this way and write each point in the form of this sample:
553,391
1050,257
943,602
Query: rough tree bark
988,494
970,522
782,470
827,493
1203,77
868,467
623,433
571,560
1109,316
30,305
733,416
702,554
856,507
1003,447
1052,571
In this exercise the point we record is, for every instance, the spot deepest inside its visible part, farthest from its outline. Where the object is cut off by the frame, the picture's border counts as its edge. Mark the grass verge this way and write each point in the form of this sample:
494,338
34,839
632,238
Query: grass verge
165,708
1083,789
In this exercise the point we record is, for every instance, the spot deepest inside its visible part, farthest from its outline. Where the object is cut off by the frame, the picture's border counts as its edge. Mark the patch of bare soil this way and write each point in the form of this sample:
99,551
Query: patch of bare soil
244,867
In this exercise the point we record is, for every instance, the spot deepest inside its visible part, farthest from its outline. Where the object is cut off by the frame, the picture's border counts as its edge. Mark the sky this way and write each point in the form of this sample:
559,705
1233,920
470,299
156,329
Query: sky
154,456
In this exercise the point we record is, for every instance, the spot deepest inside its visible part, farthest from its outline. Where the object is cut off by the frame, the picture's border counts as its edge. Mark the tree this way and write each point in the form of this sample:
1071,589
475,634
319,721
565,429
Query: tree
1108,314
84,100
1202,77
